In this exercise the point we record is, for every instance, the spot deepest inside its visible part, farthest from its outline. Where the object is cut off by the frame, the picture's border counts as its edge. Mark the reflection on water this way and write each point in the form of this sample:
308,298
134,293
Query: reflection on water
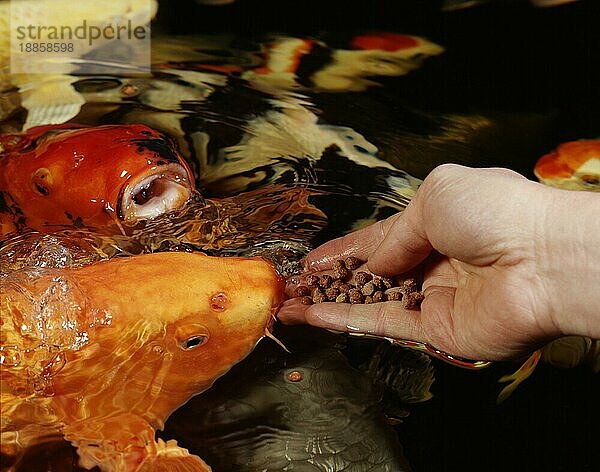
277,222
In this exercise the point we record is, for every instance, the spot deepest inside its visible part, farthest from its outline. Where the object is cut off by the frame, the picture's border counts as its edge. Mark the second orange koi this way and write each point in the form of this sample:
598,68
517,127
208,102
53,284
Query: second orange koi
100,177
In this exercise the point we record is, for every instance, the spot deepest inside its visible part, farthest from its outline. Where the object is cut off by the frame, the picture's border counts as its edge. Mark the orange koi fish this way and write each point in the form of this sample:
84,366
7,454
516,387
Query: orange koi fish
574,165
100,177
102,355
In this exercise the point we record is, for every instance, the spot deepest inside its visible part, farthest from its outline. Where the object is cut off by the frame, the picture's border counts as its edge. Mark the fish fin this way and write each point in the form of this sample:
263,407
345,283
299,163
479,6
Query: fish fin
406,374
130,450
169,457
594,356
115,442
515,379
52,100
567,352
7,225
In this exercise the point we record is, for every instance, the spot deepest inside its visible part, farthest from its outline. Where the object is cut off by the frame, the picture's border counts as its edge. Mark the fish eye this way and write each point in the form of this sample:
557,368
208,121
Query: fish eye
147,192
590,179
192,342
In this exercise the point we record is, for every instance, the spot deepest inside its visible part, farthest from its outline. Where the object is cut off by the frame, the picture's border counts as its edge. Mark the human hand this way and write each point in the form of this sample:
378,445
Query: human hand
487,244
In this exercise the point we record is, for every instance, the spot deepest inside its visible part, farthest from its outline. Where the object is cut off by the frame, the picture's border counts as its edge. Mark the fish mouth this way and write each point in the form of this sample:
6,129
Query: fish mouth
155,193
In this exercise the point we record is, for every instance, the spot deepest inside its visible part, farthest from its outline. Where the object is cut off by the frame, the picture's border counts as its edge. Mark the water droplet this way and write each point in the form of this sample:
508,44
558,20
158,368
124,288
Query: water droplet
157,349
10,356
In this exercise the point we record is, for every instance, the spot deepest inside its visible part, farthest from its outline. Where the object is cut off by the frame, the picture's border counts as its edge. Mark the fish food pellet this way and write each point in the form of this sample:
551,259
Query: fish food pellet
302,291
318,296
368,289
409,286
325,281
355,296
338,265
344,288
340,271
336,283
362,278
332,293
386,283
394,295
353,263
312,280
348,285
412,300
376,281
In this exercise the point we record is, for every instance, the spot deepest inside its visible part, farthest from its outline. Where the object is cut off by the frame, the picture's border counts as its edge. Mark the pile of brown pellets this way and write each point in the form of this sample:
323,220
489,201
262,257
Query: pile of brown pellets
348,285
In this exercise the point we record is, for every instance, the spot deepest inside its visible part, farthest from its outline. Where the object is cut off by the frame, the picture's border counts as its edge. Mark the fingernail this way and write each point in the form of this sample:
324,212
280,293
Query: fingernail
291,312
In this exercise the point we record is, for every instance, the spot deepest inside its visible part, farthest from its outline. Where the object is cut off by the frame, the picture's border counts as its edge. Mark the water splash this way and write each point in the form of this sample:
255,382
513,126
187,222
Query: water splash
44,313
37,253
277,222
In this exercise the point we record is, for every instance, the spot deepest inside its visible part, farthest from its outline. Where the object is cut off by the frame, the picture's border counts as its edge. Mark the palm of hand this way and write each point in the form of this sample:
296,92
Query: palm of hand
460,312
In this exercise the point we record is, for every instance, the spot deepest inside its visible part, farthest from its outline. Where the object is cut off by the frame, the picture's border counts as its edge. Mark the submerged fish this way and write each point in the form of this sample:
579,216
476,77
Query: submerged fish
451,5
298,63
95,356
574,165
309,410
50,97
100,177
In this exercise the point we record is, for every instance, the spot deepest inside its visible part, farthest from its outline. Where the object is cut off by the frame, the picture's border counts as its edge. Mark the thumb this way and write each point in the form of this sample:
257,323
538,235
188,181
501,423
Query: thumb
404,245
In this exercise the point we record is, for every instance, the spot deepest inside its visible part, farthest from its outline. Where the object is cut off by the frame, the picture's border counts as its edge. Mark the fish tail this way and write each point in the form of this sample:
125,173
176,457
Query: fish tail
519,376
169,457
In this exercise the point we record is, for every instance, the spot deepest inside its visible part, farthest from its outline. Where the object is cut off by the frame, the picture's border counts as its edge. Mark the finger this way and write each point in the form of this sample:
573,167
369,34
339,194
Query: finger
360,244
437,310
405,244
382,319
439,271
292,312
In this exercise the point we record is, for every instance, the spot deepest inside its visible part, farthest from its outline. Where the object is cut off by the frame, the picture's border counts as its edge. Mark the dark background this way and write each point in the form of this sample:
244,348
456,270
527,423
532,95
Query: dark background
534,71
501,57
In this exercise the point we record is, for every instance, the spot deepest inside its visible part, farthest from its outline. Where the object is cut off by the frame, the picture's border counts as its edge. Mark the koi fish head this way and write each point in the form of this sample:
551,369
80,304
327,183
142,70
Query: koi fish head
173,323
574,165
83,176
